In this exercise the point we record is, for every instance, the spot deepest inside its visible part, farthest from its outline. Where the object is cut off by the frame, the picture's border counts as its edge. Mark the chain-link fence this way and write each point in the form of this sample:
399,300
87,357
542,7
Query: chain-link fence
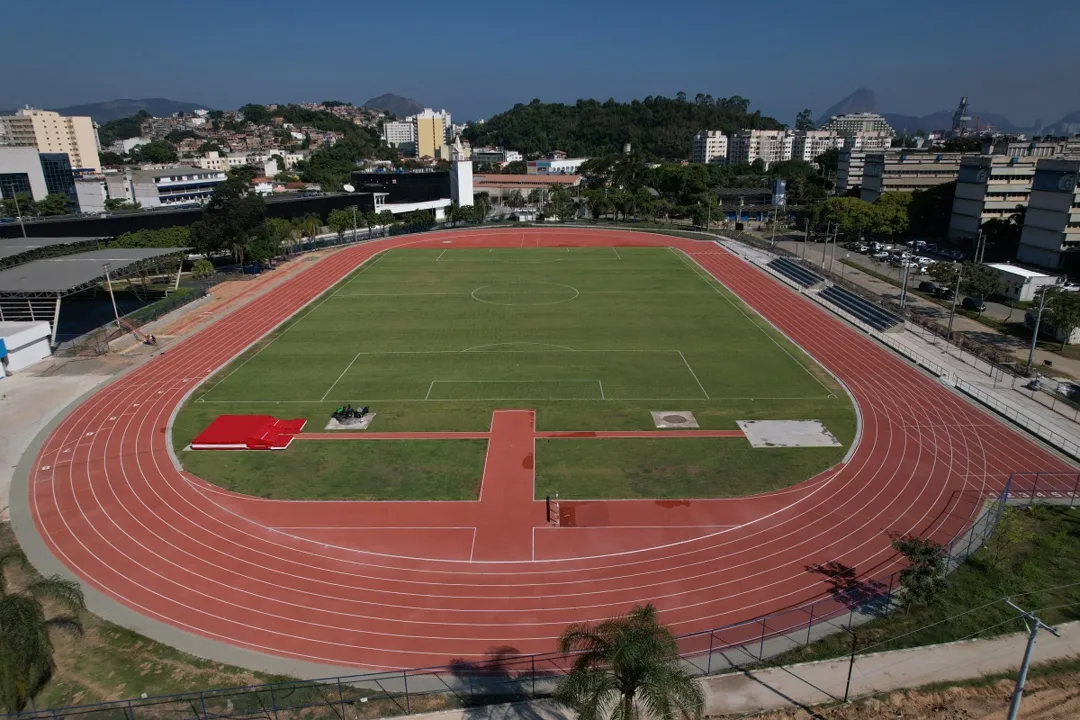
505,676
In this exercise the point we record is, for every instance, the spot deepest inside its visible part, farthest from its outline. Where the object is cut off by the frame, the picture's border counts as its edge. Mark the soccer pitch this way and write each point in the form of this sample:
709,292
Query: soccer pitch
591,338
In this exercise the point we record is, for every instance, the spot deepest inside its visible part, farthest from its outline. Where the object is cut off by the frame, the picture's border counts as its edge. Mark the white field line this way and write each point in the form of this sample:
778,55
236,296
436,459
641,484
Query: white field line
440,255
709,280
616,252
602,396
703,390
334,384
787,398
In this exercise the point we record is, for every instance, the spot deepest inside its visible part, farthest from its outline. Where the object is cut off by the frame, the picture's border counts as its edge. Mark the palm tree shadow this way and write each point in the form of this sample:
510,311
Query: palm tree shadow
865,596
503,676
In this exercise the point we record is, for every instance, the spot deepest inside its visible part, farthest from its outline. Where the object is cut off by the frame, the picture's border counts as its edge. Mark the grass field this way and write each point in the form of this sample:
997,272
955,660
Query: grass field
592,338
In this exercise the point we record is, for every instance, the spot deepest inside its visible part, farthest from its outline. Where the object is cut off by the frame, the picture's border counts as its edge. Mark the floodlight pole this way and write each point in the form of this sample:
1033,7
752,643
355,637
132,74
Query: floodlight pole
15,197
108,281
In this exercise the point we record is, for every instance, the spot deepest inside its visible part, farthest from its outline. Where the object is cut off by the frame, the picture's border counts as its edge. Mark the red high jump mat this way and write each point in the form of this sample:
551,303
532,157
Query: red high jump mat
248,432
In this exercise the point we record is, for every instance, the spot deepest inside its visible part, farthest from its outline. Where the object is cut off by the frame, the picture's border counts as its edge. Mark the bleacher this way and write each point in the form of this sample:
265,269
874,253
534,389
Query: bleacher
873,315
796,272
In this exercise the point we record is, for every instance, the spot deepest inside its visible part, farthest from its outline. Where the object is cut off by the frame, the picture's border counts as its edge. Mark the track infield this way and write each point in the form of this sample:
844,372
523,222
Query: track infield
591,338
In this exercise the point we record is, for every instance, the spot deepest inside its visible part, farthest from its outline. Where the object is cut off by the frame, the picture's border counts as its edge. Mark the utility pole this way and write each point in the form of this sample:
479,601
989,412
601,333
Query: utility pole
903,288
980,248
806,239
955,298
15,197
824,247
1032,624
354,223
832,255
108,281
774,214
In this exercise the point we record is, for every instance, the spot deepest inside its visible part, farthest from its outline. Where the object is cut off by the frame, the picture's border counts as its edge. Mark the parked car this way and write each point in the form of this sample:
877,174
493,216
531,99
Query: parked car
881,255
973,303
945,293
1071,286
928,287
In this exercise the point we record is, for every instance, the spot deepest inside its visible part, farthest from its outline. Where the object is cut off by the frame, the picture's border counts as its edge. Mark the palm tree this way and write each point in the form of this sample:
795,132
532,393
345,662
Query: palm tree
627,668
26,650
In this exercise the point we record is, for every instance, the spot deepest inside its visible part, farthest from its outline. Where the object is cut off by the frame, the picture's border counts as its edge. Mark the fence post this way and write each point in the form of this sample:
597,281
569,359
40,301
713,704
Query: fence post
341,698
708,663
1034,484
408,702
273,701
131,710
202,701
761,648
810,623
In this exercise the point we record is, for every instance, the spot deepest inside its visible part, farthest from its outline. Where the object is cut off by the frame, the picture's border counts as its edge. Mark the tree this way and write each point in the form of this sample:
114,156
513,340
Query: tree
627,668
1002,236
931,209
110,158
804,120
515,200
340,221
851,214
980,280
923,580
22,205
157,151
889,214
1011,529
116,204
560,204
164,238
482,203
256,114
944,273
202,268
26,650
230,219
1063,313
54,204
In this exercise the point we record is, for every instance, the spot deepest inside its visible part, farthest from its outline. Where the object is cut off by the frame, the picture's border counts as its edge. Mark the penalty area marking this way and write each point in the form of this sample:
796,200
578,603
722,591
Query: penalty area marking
600,385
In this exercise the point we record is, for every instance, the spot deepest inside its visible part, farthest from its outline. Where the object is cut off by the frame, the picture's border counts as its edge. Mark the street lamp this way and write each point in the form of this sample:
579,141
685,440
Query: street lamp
1038,318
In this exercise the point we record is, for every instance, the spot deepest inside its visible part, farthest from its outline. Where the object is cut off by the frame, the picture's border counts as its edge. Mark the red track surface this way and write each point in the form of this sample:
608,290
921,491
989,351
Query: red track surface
407,584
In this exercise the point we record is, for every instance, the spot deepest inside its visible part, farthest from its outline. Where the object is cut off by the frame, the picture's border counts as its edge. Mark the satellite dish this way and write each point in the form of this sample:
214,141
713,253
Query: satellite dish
348,188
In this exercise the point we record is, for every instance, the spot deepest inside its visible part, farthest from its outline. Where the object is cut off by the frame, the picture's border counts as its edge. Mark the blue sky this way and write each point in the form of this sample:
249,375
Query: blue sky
477,58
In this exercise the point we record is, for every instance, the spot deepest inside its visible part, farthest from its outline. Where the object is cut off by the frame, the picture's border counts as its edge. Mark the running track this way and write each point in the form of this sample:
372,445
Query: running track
396,585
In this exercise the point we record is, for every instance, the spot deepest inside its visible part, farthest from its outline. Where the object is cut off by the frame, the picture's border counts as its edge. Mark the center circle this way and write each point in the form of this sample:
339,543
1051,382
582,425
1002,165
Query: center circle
525,293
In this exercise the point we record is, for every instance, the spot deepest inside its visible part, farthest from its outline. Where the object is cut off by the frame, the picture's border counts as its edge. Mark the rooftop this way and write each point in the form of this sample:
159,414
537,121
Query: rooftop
69,273
1017,270
531,180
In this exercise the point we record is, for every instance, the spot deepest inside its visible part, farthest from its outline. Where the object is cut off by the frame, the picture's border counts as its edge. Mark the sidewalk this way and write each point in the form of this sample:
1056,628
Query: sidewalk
959,370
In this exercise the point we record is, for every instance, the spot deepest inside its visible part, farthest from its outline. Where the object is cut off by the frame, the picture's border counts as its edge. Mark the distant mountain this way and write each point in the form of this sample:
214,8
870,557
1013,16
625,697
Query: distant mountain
395,105
1068,125
862,100
942,120
103,112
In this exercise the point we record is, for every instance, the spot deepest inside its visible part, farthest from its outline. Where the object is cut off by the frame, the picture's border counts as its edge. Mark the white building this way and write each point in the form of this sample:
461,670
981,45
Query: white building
92,193
123,147
850,168
1019,283
988,187
178,185
554,166
21,173
1052,222
868,140
22,344
769,146
495,156
907,171
858,122
266,162
710,146
400,134
808,144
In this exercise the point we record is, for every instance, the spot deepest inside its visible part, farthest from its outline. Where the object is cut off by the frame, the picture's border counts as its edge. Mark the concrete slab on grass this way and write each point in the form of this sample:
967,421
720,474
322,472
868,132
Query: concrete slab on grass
352,424
674,419
787,433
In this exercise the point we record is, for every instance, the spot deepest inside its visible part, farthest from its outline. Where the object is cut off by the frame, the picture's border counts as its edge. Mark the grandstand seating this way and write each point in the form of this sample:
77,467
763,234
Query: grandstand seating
873,315
796,272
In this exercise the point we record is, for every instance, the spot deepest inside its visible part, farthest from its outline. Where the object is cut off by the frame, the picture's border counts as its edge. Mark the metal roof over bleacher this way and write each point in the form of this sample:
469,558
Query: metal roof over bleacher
71,273
13,247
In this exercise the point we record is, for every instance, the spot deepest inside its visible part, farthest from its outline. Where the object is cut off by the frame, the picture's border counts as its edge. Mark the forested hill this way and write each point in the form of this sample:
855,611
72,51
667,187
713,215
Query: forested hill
656,126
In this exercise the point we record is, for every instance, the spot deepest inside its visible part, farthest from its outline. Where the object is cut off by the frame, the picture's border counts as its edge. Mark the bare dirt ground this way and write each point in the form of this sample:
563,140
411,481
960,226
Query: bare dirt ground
1055,697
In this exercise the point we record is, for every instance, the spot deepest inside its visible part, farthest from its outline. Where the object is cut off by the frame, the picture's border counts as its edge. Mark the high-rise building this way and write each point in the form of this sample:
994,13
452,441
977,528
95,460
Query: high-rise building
710,146
431,129
50,132
769,146
808,144
1051,234
988,187
867,140
906,172
400,134
857,122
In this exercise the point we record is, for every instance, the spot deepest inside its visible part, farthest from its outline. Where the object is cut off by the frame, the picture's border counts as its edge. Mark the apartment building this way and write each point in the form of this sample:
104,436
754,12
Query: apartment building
431,130
988,187
50,132
808,144
400,134
554,166
906,172
25,171
867,140
1044,148
213,160
178,185
769,146
709,146
858,122
1051,235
